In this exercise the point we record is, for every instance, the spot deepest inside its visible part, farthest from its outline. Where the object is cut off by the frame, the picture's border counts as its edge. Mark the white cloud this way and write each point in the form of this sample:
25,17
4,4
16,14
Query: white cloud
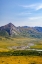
37,6
28,6
24,13
35,18
29,21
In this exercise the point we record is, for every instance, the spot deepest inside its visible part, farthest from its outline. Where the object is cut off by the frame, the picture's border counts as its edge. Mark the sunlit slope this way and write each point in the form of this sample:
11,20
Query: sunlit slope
19,43
21,60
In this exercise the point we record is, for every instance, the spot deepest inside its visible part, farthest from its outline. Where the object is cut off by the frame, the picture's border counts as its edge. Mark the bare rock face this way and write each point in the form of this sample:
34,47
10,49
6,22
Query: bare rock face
10,28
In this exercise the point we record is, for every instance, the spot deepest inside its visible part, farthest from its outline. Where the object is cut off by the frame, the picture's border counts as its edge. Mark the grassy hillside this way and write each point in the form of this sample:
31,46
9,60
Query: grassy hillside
20,43
4,33
20,50
30,32
21,60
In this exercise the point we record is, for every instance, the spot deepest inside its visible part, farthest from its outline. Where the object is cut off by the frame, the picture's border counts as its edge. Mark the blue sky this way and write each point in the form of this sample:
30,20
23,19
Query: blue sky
21,12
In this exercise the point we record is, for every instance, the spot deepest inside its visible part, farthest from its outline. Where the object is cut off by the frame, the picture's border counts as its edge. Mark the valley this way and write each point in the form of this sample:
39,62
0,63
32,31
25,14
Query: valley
20,45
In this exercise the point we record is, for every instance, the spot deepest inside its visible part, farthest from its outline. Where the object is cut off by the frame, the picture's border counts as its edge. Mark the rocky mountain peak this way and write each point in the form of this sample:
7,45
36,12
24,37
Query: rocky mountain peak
10,25
24,31
10,28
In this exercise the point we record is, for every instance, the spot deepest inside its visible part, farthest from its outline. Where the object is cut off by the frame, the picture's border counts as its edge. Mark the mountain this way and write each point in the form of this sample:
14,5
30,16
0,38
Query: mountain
24,31
35,32
10,29
39,29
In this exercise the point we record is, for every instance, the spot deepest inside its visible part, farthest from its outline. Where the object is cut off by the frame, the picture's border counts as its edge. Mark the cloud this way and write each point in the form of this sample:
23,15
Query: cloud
25,13
31,21
37,6
28,6
34,18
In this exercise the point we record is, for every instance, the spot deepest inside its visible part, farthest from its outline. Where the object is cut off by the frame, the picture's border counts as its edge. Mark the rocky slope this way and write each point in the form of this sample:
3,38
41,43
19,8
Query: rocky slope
24,31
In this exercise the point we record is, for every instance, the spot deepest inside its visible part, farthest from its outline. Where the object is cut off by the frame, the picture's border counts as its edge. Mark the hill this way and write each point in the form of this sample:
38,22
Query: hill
24,31
10,29
35,32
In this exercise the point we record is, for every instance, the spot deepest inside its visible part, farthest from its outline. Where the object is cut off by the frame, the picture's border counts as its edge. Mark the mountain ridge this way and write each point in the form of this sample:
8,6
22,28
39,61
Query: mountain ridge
25,31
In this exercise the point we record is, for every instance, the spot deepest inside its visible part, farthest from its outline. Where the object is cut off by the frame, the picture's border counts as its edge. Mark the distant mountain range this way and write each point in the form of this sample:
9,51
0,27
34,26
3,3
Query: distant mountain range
24,31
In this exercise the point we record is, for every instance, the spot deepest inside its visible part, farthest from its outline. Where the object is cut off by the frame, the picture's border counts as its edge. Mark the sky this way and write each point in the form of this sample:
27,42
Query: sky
21,12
